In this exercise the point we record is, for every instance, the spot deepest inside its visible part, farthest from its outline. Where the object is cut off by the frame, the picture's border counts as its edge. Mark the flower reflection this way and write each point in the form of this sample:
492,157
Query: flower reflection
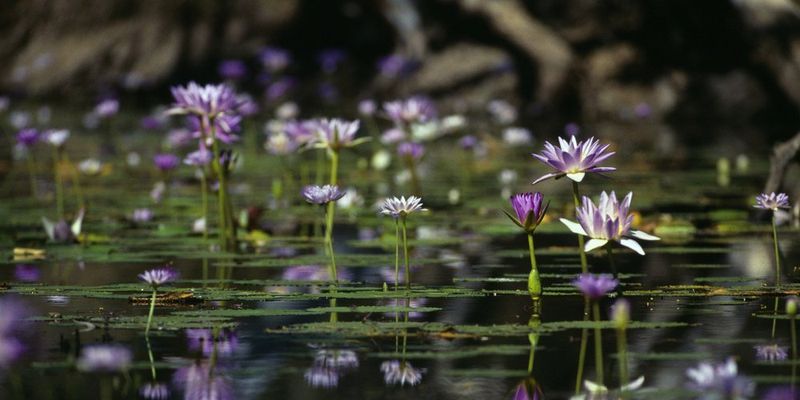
203,340
329,366
528,389
201,381
771,352
402,372
154,391
412,303
12,315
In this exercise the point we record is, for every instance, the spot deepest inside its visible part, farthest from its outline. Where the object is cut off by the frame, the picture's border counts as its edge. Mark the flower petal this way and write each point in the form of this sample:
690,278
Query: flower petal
594,244
577,177
633,245
633,385
545,177
573,226
643,235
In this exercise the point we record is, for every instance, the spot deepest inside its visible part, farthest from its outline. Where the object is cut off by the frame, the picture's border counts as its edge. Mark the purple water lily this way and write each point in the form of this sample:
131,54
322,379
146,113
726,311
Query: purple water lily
226,127
158,276
232,70
166,162
199,158
574,159
104,358
154,391
528,209
336,133
142,215
609,220
402,372
367,107
595,286
107,108
28,137
322,195
410,150
772,201
528,390
409,111
208,101
275,59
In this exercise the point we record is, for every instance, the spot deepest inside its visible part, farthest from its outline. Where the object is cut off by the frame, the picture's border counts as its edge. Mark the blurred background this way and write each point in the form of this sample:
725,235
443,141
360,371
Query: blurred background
723,70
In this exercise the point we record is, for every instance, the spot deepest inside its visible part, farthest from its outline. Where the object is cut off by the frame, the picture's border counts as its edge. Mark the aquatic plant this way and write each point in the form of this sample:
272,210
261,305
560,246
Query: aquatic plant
595,287
155,278
771,352
402,372
621,316
61,232
411,153
774,202
529,212
214,112
574,159
399,209
26,138
104,358
528,389
719,381
325,196
56,138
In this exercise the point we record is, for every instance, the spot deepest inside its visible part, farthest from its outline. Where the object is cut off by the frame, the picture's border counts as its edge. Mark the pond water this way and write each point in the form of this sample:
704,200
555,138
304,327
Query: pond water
264,323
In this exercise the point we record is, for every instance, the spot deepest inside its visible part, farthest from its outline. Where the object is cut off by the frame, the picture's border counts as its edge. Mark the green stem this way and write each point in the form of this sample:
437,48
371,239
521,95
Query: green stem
611,261
77,182
332,303
396,253
150,314
584,345
152,359
534,284
622,355
223,220
598,344
581,243
416,188
329,243
59,183
204,204
405,253
777,270
530,358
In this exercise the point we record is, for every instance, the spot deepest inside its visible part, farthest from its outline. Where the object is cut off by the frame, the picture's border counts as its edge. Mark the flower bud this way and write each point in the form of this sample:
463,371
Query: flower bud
791,305
621,313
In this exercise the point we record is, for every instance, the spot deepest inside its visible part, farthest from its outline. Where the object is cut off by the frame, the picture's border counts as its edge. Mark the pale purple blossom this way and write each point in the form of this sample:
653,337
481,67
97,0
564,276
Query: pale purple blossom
279,88
394,66
771,352
208,101
336,133
179,138
275,59
158,276
166,162
199,158
397,207
609,220
232,70
27,273
367,107
574,159
468,142
410,150
322,194
154,391
772,201
410,111
107,108
225,126
104,358
141,215
517,136
203,340
595,286
56,137
720,380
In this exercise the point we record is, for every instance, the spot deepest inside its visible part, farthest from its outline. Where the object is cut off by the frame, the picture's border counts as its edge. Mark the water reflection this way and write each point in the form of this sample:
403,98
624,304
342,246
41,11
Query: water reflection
329,366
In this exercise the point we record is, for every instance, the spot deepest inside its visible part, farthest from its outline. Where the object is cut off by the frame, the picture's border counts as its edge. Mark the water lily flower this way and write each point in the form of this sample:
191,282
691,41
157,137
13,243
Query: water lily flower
502,111
166,162
28,137
595,286
771,352
402,372
720,380
322,195
154,391
199,158
203,340
574,159
274,59
107,108
394,66
90,166
400,207
232,70
528,209
142,215
410,150
772,201
528,389
61,232
410,111
158,276
322,377
226,128
335,134
367,107
516,136
104,358
609,220
468,142
208,101
180,138
56,137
